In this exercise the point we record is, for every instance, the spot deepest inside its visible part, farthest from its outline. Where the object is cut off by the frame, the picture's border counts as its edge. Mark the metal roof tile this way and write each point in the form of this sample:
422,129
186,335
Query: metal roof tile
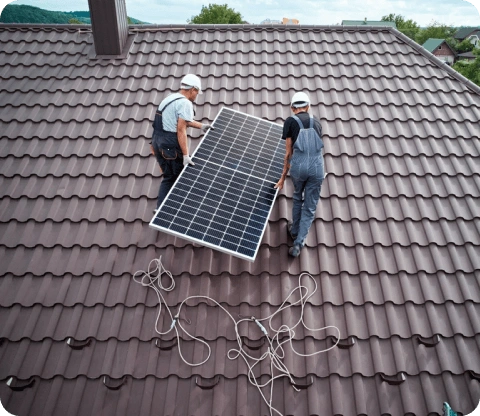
140,359
394,249
331,395
210,323
326,233
90,290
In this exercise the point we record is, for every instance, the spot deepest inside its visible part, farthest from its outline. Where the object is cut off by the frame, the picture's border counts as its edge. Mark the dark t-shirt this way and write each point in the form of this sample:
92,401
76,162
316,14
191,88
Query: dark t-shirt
292,129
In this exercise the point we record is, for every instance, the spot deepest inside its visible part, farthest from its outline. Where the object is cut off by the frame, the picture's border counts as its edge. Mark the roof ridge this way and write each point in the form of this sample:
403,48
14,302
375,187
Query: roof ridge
200,26
432,58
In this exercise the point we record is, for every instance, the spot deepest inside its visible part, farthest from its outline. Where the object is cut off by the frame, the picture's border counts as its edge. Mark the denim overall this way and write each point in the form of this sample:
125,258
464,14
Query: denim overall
307,173
168,153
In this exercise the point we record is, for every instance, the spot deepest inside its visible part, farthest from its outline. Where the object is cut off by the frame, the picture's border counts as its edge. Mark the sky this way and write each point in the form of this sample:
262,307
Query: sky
309,12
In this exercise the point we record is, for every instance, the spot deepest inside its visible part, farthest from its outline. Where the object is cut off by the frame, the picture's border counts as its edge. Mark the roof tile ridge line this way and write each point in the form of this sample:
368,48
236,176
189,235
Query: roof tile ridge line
431,57
240,25
198,26
251,26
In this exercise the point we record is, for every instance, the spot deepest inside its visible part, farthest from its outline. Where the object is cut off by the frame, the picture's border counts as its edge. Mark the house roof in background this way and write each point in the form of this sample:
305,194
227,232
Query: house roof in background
394,248
368,23
467,55
477,33
432,44
464,32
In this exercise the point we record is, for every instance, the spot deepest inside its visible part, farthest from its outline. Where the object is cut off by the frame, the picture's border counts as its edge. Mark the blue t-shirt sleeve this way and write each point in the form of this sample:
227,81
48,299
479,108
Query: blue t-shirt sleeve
185,110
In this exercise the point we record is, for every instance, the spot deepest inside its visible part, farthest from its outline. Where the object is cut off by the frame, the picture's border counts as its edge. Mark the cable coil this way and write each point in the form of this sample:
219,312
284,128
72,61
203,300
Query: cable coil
275,351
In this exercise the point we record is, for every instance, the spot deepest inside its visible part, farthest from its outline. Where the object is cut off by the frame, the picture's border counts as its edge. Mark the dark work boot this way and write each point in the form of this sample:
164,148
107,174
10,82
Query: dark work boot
289,227
295,250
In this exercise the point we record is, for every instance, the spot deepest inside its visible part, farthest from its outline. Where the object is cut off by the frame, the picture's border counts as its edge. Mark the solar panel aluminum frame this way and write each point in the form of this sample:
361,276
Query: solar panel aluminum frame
199,241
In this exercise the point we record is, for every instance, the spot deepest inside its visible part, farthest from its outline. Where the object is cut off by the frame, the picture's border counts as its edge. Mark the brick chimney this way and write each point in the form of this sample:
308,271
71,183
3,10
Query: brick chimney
109,26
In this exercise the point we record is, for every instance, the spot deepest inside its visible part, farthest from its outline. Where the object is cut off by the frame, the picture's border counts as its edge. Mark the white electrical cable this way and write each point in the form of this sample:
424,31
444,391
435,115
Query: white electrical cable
275,351
153,277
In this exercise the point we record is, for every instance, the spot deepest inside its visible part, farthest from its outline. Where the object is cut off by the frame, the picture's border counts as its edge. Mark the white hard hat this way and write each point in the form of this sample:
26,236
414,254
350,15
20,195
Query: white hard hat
191,80
300,99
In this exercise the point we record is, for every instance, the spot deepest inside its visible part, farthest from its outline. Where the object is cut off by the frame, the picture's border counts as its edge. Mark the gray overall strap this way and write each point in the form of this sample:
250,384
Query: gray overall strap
166,105
300,124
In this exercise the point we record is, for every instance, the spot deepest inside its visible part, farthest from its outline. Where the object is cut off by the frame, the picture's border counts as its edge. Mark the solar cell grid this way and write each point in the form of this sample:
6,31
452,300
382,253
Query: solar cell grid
225,199
202,204
251,145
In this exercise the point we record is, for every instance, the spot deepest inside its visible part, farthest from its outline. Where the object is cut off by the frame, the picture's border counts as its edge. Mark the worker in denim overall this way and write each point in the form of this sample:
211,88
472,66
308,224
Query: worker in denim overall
304,159
169,143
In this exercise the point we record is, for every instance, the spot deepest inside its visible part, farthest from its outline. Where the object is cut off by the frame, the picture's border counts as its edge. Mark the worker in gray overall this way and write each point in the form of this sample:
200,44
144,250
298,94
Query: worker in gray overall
304,159
170,146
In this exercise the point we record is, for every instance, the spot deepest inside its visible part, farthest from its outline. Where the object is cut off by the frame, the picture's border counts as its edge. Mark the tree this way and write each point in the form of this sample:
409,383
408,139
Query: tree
407,27
217,14
13,13
464,46
435,30
470,70
74,21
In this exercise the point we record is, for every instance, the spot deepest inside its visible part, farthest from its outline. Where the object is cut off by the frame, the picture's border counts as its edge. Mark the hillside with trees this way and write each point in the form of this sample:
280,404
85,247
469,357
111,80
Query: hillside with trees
20,13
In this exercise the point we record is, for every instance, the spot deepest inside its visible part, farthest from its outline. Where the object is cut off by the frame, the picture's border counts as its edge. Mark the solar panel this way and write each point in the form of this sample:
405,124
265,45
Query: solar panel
245,143
224,201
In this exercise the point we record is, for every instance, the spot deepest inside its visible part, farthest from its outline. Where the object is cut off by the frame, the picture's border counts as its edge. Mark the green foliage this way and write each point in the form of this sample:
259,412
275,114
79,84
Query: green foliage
74,21
80,14
435,30
464,46
82,17
453,43
470,70
217,14
407,27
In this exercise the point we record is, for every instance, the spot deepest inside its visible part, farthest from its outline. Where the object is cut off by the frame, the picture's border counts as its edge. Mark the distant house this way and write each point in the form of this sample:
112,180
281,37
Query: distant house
467,56
368,23
465,33
474,38
287,21
270,22
440,48
284,21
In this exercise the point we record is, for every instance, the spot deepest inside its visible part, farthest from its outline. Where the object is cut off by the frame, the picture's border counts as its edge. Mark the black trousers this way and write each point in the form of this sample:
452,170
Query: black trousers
170,158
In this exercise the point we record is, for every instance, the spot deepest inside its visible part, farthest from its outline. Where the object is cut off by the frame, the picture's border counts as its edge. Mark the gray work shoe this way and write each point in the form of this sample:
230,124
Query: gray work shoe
295,250
289,228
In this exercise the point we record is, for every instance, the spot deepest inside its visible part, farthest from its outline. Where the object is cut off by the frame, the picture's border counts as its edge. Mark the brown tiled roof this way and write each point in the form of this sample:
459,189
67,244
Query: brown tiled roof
394,247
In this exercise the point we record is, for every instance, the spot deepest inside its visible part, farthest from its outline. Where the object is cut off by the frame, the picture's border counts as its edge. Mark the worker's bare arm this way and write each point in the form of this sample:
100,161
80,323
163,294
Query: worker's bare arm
286,162
194,124
197,125
182,135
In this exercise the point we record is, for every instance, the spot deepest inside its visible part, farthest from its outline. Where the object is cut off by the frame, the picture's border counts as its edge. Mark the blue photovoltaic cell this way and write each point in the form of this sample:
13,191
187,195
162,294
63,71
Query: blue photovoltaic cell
245,143
225,199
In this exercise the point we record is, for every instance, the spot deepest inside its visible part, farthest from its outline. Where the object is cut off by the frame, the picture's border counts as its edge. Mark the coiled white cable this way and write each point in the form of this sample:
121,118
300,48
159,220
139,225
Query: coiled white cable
153,278
275,351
